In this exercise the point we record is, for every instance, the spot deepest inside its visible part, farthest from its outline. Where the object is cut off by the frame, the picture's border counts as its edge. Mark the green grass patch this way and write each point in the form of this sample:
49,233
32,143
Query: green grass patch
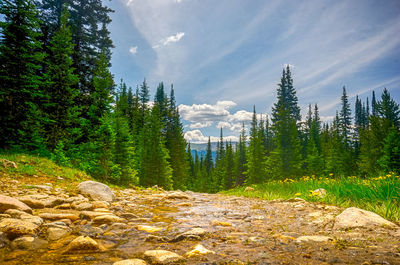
31,166
380,195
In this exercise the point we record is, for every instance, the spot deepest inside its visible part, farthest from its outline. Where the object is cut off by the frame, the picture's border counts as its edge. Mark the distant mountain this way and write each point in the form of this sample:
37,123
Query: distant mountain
201,149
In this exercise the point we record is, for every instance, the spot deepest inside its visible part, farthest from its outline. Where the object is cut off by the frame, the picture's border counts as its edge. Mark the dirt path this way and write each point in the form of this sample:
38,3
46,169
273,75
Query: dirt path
235,231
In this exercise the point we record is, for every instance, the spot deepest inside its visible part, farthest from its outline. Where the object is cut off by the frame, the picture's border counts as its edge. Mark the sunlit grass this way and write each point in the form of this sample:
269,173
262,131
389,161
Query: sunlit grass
380,194
30,167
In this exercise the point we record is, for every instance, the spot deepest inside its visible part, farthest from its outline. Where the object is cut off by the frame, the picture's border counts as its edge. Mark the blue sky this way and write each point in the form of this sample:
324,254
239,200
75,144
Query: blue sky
224,56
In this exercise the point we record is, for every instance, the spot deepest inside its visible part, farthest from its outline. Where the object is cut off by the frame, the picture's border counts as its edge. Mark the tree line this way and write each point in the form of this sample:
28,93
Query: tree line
58,99
283,146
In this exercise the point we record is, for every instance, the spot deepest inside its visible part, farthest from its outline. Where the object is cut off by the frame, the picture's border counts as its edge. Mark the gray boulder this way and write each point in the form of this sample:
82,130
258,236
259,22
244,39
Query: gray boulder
354,217
96,191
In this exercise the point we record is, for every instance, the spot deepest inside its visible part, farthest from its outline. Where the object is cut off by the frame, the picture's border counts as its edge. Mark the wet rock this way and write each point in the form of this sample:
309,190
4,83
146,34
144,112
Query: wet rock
28,243
198,250
14,227
83,243
177,196
353,217
193,234
7,202
87,230
89,215
220,223
313,239
128,215
117,226
54,201
148,228
319,192
59,216
3,240
17,214
107,219
63,206
55,233
162,257
157,239
130,262
96,191
285,239
249,189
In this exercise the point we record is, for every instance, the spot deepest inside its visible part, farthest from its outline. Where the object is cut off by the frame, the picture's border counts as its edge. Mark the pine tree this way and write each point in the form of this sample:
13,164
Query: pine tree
219,172
154,168
241,157
388,109
256,159
373,104
21,86
285,114
390,159
345,119
61,107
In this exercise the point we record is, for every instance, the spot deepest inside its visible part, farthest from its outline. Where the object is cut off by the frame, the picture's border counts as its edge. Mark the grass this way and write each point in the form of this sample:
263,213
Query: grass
38,170
380,194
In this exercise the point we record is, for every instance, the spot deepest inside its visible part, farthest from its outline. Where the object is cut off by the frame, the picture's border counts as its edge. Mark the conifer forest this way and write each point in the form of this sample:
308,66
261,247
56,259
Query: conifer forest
59,99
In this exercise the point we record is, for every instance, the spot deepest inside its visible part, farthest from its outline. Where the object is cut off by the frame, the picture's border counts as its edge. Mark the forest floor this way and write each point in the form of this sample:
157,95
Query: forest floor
155,226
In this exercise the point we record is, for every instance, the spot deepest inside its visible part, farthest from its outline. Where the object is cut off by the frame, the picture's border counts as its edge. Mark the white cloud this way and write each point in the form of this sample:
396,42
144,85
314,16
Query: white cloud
200,113
133,50
199,125
173,38
197,137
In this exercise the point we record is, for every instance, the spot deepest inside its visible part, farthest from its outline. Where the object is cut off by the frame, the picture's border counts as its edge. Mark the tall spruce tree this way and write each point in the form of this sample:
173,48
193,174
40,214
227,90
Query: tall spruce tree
285,114
61,108
21,87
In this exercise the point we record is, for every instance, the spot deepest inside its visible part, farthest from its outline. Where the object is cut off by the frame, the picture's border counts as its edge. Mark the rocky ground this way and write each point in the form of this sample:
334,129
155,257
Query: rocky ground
41,224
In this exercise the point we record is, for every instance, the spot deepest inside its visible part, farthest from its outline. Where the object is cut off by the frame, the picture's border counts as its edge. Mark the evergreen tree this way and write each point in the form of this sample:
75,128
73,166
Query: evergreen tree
388,109
21,86
285,114
229,179
373,104
154,168
61,107
256,159
390,159
241,157
345,119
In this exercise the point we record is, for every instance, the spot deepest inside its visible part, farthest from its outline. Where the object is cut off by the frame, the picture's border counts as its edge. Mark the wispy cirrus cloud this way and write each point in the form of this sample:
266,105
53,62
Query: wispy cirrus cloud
133,50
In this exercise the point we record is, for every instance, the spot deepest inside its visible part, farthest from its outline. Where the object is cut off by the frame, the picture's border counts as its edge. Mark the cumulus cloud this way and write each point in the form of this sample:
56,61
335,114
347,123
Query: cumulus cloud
201,113
197,137
231,126
199,125
133,50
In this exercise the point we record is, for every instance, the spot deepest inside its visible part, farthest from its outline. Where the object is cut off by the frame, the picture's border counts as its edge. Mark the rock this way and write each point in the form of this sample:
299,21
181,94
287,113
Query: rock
43,187
96,191
8,164
117,226
14,228
354,217
128,215
89,215
11,203
32,202
130,262
319,192
84,206
193,234
3,240
54,201
59,216
249,189
313,239
100,204
83,243
198,250
148,228
162,256
286,239
220,223
14,213
295,200
55,233
27,243
107,219
177,196
88,230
